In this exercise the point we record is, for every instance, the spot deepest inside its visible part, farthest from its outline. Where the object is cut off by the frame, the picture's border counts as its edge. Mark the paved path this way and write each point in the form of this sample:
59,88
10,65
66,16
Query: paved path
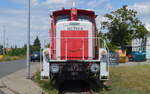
8,67
17,82
1,92
13,78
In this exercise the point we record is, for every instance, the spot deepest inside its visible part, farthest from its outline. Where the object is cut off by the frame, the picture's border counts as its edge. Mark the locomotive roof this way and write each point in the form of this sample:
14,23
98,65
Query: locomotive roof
79,11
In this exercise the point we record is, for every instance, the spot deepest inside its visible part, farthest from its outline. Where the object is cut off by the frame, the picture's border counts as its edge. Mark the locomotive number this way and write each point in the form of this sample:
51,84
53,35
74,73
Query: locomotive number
75,28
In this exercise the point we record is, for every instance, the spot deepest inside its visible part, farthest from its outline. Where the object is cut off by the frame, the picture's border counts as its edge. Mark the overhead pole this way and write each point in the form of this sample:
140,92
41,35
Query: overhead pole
7,41
28,42
4,31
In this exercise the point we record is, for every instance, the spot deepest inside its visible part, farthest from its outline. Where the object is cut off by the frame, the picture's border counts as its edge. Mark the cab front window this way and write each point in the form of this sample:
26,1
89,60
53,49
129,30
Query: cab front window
82,17
62,18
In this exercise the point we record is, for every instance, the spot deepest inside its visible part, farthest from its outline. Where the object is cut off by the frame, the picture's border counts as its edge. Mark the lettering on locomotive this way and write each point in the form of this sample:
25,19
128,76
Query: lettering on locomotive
75,28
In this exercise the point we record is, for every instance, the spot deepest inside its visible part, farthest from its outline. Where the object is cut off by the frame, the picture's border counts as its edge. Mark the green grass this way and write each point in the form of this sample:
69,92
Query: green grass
129,80
9,58
123,80
45,84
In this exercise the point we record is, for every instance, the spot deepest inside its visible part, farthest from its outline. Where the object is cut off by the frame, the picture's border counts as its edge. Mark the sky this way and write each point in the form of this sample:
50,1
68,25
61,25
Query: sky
13,16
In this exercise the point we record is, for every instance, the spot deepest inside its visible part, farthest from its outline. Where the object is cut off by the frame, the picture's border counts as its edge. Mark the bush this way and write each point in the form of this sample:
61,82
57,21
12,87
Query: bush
17,52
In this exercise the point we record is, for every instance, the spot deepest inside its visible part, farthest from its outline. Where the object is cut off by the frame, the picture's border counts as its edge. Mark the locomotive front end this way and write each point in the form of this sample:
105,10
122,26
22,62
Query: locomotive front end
74,52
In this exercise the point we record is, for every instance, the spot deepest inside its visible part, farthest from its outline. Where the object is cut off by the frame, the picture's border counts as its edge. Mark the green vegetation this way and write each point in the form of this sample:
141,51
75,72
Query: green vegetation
123,80
35,47
37,44
45,84
18,53
123,26
130,80
9,58
13,54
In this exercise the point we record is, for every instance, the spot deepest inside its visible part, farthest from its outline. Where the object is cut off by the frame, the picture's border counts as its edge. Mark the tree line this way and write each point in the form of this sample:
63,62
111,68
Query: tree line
22,51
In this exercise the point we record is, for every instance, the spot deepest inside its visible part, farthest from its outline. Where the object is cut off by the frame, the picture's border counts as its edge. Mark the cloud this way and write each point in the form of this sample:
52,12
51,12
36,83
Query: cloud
96,3
52,3
143,10
34,2
148,26
99,20
100,3
55,1
16,25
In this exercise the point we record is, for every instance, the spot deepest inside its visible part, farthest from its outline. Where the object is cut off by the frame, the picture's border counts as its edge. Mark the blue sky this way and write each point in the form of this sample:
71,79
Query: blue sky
13,15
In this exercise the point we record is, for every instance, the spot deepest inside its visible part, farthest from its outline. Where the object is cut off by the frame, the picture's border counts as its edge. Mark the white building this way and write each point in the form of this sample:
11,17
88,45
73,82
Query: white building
142,45
148,46
138,45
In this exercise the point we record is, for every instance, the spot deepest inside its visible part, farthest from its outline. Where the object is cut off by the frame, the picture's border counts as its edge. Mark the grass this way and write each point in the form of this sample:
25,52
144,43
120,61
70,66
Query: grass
130,80
45,84
9,58
123,80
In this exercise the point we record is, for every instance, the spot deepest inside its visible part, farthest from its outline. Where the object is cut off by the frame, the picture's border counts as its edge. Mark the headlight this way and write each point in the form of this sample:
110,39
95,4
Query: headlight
54,68
35,55
94,68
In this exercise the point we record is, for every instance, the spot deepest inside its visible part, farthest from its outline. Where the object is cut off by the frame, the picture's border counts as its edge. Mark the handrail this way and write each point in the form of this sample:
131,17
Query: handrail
97,40
66,38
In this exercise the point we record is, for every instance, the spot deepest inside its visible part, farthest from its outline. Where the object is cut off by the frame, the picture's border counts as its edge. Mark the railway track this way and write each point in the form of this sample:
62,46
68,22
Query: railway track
78,87
87,92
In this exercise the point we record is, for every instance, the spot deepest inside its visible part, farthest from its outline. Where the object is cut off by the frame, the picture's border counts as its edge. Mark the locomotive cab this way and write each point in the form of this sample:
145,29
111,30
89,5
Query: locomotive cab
74,51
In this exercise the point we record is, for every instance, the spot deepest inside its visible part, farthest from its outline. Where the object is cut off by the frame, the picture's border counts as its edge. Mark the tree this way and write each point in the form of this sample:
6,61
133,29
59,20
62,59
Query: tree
123,26
37,42
36,45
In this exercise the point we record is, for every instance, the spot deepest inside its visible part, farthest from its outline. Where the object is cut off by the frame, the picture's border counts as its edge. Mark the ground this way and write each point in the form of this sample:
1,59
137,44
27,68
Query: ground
130,78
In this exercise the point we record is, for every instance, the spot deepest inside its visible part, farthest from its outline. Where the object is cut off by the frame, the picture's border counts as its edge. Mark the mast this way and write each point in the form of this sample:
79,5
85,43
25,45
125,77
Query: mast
74,4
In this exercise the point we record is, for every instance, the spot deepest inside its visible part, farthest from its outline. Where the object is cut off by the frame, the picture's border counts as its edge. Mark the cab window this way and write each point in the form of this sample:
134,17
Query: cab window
62,18
82,17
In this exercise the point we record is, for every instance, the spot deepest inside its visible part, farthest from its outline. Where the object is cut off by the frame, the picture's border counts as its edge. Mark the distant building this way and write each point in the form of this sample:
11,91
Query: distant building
8,49
148,46
142,45
138,45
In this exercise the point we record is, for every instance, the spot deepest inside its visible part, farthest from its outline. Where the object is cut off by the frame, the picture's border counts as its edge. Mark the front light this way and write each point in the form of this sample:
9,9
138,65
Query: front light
54,68
104,52
94,68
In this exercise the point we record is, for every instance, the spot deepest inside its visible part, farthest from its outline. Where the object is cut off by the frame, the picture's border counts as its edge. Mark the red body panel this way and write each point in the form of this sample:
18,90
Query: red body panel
77,48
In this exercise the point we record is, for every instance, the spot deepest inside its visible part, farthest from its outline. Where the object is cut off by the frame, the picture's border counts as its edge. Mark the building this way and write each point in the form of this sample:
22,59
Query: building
142,45
138,45
148,46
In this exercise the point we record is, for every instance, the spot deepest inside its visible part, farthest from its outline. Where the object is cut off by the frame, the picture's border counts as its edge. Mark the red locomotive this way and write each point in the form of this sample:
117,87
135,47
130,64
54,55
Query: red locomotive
75,51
